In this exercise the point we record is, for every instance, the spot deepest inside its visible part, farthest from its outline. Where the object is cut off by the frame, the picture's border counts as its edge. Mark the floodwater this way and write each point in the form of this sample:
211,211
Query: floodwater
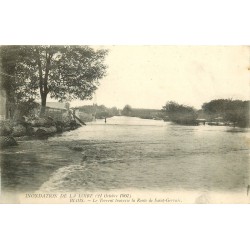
130,153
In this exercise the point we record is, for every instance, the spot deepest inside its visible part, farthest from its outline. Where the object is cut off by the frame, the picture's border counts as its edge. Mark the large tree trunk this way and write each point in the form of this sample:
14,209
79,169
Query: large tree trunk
43,82
43,104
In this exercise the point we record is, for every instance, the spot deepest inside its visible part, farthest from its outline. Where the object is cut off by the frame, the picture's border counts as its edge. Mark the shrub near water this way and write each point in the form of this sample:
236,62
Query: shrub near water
233,111
180,114
6,128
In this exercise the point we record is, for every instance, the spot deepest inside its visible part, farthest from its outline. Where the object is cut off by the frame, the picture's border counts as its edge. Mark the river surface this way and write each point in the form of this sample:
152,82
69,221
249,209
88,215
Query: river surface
130,153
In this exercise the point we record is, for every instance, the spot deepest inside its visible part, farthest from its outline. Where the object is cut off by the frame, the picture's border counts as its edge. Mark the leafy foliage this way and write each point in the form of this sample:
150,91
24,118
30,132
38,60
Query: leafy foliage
9,56
25,108
235,111
127,110
215,108
63,72
180,114
147,113
99,111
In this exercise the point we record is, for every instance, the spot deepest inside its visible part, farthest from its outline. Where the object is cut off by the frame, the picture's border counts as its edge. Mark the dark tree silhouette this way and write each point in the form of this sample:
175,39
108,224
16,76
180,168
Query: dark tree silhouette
63,72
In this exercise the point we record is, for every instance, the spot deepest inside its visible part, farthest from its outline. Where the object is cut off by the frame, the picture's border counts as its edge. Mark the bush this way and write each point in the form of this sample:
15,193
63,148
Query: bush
181,114
6,128
26,108
232,111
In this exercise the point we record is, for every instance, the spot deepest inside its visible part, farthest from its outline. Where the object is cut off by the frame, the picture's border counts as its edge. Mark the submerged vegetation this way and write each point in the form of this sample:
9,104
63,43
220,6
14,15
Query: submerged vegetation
215,112
228,111
180,114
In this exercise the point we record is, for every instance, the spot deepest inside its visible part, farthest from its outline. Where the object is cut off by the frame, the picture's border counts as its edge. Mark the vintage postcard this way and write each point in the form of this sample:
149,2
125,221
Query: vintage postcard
124,124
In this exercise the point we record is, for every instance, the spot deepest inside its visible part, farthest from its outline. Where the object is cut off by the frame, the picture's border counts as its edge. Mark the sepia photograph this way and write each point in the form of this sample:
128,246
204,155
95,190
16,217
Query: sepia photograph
124,124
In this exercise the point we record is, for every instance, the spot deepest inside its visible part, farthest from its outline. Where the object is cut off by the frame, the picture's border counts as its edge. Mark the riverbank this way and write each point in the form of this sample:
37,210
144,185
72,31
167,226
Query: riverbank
39,128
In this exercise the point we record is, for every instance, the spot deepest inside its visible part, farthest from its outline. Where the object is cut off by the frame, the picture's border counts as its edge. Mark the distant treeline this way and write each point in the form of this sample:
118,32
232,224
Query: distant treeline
88,112
215,112
99,111
225,111
142,113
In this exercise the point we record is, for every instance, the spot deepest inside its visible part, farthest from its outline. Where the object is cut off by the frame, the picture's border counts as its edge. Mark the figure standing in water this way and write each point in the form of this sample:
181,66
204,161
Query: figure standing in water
105,120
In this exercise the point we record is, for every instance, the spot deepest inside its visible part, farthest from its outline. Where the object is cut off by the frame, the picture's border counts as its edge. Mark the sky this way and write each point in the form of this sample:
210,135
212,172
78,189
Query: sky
149,76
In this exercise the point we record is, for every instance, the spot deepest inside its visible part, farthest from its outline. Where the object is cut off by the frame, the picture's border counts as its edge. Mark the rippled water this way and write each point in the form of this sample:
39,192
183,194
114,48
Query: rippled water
128,153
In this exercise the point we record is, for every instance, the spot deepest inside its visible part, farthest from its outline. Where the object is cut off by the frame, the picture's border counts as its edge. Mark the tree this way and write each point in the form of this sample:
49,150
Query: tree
114,111
235,111
180,114
25,108
127,110
9,56
99,111
216,108
63,72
